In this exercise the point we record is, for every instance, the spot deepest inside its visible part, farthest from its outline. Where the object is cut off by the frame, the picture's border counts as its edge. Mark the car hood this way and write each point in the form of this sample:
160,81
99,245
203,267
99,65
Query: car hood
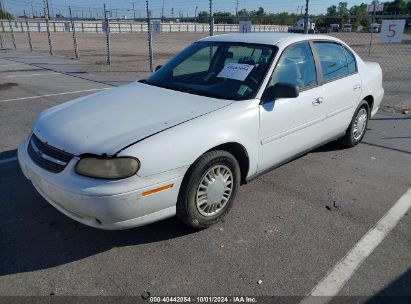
106,122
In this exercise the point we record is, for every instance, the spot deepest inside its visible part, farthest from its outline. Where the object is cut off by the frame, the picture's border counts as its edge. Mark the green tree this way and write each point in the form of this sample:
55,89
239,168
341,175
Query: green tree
396,6
203,17
332,11
243,13
343,12
360,16
5,14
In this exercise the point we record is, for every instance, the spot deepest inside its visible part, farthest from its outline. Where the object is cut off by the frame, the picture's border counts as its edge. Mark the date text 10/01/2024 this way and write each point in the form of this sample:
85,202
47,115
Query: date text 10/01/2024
234,299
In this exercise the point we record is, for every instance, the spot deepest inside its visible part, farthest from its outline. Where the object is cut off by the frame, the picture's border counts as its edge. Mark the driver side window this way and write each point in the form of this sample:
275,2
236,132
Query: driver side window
197,63
296,66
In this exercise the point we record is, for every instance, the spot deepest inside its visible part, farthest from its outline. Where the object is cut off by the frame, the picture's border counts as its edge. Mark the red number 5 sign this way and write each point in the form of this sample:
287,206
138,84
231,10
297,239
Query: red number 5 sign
392,31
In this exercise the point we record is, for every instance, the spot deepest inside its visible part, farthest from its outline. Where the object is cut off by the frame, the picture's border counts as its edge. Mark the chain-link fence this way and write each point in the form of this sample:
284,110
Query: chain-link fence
129,41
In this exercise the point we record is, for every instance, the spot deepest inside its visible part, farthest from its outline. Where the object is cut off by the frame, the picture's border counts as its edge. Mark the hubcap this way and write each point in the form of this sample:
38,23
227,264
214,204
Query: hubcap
360,123
214,190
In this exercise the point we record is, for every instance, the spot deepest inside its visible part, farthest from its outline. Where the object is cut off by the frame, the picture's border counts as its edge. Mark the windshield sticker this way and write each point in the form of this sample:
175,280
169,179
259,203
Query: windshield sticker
236,71
241,91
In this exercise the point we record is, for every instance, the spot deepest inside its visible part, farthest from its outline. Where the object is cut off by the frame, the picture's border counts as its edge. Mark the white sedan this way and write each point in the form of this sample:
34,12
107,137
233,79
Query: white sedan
221,112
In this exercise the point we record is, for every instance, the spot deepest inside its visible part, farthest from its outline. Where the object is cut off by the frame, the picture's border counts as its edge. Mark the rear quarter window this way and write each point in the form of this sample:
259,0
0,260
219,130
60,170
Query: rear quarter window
352,63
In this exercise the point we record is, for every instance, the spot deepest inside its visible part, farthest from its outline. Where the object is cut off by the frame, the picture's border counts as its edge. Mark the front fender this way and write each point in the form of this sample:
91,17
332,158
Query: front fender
182,145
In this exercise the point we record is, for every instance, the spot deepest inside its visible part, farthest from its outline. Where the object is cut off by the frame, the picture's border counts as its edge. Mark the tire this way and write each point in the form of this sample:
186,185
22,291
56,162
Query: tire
198,198
353,137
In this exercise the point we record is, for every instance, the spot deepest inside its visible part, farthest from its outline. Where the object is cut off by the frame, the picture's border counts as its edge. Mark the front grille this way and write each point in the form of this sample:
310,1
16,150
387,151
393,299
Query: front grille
46,156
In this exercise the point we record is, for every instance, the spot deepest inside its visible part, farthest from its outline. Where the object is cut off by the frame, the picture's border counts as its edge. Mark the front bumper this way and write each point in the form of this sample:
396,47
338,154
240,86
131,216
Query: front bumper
104,204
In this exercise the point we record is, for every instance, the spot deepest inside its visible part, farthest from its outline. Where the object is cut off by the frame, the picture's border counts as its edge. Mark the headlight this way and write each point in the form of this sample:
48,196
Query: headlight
107,168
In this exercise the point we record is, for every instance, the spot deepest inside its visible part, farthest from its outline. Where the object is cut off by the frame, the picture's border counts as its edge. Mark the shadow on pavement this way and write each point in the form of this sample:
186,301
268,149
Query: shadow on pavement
8,154
398,291
35,236
392,118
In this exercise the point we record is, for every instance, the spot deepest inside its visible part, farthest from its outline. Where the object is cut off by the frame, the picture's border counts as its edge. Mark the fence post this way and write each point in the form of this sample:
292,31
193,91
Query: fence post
211,19
28,33
107,30
73,26
12,35
48,30
150,39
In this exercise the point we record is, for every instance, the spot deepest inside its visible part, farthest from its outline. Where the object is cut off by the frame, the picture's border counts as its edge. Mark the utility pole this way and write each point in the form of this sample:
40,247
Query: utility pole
162,10
236,8
306,17
134,9
195,12
32,10
372,22
374,11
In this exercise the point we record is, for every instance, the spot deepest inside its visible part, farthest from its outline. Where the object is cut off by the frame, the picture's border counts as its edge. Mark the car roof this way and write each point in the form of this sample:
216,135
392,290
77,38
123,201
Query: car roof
279,39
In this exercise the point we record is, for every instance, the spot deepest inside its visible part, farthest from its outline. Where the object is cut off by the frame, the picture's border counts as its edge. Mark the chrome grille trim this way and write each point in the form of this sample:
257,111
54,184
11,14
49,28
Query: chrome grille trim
46,156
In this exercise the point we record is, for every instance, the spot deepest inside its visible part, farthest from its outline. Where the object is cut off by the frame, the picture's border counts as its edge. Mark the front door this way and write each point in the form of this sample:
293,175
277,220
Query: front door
289,126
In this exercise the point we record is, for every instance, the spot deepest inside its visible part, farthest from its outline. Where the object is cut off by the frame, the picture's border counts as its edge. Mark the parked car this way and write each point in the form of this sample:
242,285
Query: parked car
347,28
375,28
334,28
298,27
223,111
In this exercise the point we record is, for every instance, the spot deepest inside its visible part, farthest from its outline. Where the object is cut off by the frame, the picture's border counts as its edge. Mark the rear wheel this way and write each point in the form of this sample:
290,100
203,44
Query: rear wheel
209,189
358,126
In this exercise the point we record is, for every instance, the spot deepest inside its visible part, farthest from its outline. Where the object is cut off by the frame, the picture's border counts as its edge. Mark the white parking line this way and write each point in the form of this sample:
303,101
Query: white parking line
335,280
7,160
10,64
29,75
56,94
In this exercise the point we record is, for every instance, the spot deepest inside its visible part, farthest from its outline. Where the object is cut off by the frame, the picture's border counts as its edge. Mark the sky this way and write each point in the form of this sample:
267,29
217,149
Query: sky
121,8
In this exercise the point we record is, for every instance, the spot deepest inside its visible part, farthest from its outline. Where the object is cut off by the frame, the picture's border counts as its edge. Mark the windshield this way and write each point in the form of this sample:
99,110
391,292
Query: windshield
224,70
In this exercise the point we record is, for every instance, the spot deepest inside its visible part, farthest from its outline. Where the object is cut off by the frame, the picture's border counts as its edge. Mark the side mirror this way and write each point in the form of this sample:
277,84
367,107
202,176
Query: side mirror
281,90
158,67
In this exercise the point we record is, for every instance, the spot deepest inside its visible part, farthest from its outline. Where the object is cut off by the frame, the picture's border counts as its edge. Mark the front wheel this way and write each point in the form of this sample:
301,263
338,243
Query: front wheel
358,126
209,189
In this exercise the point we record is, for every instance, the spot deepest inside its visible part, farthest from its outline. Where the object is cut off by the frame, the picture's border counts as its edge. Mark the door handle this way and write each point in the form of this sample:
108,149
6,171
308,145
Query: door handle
357,87
318,101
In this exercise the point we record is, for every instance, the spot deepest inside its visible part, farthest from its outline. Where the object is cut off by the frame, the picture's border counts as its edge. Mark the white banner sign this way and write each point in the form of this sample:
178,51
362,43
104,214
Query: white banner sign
392,31
236,71
156,26
378,7
245,26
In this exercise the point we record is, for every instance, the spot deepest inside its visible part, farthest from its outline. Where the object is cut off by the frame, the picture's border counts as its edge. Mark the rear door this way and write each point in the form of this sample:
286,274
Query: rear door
341,84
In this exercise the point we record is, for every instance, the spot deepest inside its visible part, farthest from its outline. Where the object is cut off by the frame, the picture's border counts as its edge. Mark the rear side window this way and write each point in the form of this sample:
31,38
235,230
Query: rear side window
296,66
352,64
333,60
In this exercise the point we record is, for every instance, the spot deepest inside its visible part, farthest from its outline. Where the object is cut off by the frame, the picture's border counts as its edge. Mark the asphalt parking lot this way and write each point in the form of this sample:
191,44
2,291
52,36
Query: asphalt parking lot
287,230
